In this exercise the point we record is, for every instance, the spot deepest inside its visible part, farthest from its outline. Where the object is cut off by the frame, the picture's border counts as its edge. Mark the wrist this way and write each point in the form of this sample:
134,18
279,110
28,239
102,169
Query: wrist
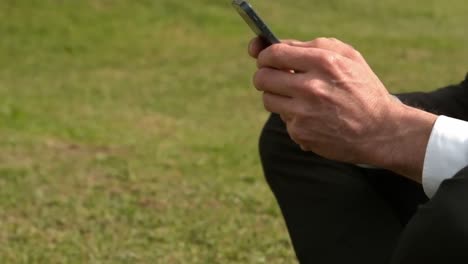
406,150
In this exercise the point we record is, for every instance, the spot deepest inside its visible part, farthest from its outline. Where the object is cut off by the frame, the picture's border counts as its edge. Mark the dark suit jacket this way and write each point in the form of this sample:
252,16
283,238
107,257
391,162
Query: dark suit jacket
450,101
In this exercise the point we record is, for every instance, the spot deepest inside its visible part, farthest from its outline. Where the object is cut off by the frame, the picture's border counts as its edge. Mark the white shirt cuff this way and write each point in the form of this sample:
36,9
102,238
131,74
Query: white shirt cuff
446,152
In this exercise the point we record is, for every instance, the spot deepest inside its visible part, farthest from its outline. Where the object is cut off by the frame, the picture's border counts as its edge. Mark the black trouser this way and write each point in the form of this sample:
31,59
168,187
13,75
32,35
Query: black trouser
340,213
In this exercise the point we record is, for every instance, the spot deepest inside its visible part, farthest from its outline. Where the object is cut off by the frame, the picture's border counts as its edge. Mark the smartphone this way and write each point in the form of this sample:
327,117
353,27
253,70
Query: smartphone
246,11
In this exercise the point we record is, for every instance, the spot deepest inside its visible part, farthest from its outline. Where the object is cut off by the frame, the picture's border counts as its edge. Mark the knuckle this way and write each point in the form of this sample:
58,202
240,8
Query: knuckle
339,43
354,53
304,148
259,79
270,54
319,92
293,132
283,118
299,138
357,129
260,61
322,40
301,113
263,57
331,59
266,101
299,85
328,60
319,42
297,134
305,87
276,50
313,85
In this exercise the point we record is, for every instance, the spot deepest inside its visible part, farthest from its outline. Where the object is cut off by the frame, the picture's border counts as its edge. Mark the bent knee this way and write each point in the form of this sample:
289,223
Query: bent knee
275,145
283,161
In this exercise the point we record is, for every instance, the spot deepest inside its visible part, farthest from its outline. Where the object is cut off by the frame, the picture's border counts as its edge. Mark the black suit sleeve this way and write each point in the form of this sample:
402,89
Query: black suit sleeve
450,101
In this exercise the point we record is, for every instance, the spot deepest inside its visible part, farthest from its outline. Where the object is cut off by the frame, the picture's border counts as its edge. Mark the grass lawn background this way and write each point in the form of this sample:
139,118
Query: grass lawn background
128,129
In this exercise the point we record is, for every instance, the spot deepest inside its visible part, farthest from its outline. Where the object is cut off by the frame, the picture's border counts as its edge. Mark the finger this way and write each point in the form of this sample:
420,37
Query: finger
285,118
284,57
256,45
276,103
296,43
279,82
330,44
291,41
304,148
301,60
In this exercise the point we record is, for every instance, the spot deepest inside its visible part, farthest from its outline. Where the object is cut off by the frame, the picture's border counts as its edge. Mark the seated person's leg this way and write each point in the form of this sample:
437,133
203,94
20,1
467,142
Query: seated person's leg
337,212
438,232
333,213
402,194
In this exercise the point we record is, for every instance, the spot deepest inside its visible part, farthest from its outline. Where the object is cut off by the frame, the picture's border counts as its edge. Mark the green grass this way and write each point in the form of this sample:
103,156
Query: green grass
128,129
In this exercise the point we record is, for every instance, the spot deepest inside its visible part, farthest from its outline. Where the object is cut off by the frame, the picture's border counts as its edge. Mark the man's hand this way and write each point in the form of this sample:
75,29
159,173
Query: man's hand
334,105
